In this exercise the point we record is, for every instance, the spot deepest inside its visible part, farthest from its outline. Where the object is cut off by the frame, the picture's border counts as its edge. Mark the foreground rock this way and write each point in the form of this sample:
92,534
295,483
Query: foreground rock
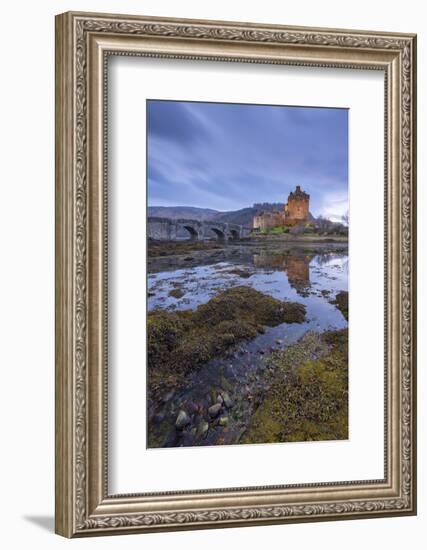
202,429
176,293
168,248
182,420
227,400
308,398
182,341
214,410
341,301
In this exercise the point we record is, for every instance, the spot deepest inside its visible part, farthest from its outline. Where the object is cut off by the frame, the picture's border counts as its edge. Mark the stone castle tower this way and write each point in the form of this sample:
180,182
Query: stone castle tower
296,210
298,206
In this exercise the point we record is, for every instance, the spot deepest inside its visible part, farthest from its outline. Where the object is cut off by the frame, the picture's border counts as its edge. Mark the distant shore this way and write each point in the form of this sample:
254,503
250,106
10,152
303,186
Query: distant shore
306,238
172,248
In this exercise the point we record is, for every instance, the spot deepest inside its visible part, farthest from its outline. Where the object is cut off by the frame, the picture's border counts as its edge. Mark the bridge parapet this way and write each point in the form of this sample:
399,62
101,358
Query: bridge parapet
166,229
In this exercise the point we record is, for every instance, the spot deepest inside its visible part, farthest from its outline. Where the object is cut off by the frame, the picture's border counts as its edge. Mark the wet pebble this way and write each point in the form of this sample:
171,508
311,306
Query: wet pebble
214,410
182,420
202,429
223,421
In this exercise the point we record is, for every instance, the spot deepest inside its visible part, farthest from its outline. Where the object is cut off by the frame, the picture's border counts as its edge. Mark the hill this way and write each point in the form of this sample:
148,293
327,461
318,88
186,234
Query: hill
241,217
244,216
182,212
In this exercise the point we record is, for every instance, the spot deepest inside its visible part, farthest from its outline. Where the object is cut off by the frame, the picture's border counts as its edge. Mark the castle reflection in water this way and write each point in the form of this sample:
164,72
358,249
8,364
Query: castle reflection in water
296,266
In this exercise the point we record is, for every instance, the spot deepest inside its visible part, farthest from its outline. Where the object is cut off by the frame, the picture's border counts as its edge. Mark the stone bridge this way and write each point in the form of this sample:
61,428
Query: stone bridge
165,229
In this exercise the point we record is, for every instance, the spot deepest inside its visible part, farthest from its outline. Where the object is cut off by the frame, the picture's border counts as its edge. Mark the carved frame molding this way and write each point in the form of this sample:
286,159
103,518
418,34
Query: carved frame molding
83,43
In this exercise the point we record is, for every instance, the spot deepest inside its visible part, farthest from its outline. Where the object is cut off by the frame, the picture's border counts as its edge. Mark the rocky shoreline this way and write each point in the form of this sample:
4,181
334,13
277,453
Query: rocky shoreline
240,401
179,342
157,249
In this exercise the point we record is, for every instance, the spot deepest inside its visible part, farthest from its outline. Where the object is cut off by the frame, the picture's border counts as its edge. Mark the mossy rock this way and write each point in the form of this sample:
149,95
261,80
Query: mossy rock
176,293
243,273
246,305
308,399
341,301
174,248
182,341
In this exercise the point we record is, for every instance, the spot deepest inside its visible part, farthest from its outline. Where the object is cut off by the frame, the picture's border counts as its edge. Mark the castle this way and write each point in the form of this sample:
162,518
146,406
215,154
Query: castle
295,210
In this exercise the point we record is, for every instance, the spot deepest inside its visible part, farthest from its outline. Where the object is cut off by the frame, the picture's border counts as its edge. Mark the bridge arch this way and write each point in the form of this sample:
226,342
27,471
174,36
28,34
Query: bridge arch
220,234
234,234
194,235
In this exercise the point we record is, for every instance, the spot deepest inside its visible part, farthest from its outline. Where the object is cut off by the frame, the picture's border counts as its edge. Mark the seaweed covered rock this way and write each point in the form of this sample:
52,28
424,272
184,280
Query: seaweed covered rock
308,399
246,305
341,301
176,293
181,341
171,248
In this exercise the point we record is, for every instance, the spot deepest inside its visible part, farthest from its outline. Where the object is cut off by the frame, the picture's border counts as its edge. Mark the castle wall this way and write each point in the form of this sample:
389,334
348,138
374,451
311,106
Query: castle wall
267,220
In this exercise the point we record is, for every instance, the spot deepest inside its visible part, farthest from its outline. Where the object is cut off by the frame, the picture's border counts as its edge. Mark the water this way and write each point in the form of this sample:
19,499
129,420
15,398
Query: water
311,274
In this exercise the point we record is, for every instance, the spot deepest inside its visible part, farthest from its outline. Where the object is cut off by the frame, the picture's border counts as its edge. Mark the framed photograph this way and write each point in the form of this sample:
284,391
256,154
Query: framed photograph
235,274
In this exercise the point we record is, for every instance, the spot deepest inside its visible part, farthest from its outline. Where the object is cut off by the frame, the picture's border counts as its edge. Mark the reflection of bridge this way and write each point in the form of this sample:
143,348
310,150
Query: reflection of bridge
165,229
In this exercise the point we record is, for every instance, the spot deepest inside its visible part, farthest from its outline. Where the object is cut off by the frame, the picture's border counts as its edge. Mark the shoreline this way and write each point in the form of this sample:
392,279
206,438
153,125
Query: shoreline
161,249
287,237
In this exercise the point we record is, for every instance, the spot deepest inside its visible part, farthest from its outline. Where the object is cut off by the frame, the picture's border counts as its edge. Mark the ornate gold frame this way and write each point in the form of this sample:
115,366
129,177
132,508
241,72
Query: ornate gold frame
83,505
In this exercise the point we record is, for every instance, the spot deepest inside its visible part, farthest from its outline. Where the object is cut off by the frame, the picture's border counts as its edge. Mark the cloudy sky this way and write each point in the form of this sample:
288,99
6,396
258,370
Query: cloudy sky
229,156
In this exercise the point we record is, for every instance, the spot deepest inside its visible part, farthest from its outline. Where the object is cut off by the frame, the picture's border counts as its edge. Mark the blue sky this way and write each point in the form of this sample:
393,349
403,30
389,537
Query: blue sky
229,156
